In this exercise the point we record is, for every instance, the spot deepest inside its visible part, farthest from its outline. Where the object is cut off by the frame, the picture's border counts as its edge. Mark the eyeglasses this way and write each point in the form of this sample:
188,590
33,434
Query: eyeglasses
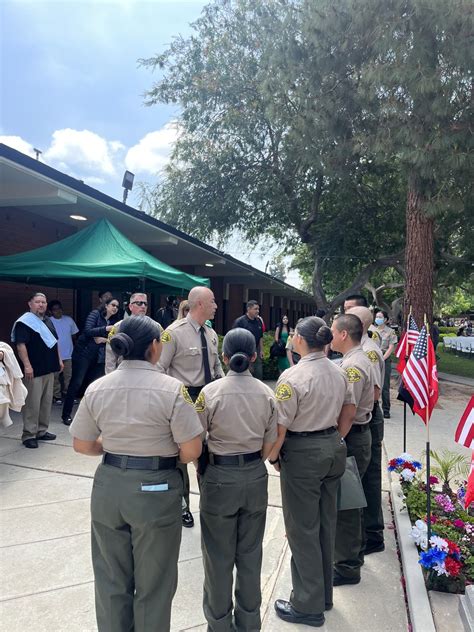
139,303
116,305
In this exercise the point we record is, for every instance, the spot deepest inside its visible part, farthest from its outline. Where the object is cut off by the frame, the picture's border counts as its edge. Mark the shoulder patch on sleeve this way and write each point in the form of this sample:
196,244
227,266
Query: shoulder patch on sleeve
375,335
284,392
372,356
112,332
186,395
353,374
166,337
200,403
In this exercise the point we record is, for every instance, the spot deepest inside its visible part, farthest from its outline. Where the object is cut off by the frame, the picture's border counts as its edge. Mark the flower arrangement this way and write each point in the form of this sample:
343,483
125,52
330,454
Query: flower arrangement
406,466
447,558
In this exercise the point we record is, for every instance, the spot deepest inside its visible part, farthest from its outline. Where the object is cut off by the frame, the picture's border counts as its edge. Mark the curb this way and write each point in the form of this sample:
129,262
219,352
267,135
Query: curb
418,602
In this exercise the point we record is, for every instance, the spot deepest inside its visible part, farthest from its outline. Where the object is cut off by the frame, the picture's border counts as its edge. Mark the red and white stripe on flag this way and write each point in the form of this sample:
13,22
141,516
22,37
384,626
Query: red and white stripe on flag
420,376
465,431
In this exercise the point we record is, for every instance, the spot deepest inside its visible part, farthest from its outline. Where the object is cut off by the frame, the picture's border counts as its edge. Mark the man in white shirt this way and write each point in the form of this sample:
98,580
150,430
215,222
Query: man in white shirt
66,329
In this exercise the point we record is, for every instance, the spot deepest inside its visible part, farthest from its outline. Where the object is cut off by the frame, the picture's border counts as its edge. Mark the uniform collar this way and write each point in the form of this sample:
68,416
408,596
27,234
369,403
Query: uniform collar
315,355
245,373
352,351
193,323
137,364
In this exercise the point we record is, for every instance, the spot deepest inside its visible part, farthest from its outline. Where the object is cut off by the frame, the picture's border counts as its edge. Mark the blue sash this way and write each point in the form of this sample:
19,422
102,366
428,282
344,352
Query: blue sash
36,324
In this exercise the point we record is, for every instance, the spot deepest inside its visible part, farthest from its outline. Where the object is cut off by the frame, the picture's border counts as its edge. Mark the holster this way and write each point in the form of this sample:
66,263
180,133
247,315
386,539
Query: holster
203,460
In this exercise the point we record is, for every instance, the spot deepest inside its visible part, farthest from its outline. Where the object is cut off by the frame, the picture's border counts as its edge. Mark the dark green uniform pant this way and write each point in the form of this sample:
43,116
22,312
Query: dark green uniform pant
386,386
372,483
135,546
311,467
349,531
233,513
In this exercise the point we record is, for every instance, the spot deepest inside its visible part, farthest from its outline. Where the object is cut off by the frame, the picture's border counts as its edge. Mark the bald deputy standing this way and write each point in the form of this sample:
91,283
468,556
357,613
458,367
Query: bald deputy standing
190,354
347,334
372,480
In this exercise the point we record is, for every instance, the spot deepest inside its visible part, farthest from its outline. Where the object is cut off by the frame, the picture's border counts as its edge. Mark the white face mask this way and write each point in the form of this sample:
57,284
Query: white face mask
379,321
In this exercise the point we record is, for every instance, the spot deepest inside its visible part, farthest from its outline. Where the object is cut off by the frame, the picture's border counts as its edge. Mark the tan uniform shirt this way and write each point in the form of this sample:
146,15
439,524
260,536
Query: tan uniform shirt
375,355
386,335
311,394
138,411
111,360
182,352
360,376
239,413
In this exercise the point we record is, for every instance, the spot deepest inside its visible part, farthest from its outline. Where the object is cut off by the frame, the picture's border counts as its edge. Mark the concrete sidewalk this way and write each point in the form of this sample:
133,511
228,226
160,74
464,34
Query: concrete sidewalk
47,579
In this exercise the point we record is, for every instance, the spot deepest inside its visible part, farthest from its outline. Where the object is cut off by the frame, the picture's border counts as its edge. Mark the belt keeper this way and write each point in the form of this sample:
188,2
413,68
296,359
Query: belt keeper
211,458
123,464
241,459
155,463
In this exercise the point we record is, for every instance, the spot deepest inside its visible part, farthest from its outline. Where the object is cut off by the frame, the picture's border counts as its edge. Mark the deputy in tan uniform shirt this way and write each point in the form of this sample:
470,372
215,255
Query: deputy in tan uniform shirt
184,357
312,399
389,341
372,480
347,334
240,417
141,421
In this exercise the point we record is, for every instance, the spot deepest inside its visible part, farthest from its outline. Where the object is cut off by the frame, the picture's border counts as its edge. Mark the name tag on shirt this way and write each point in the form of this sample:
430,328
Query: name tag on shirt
161,487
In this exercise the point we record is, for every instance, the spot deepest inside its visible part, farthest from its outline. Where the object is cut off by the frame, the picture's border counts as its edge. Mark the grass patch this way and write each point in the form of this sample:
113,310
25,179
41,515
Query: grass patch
451,363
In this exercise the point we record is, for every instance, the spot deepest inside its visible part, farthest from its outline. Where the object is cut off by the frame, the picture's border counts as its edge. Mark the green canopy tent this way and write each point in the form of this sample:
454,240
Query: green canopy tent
97,254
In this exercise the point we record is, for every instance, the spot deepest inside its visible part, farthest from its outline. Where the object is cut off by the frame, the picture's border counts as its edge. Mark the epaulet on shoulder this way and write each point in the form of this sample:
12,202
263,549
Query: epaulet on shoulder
177,323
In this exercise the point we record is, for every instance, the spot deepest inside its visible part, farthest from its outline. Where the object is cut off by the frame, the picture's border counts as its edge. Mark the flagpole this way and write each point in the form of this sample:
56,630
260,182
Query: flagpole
404,403
428,488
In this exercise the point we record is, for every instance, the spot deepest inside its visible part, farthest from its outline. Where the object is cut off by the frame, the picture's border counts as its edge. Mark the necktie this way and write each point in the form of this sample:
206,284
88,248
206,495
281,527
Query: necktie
205,357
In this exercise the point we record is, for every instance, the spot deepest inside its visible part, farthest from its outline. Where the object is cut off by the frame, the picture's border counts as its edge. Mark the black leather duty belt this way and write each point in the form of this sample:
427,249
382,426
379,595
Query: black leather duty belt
326,431
359,428
234,459
140,462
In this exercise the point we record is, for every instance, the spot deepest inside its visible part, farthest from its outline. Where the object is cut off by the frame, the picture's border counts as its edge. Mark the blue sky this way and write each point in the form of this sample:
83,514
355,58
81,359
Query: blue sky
71,86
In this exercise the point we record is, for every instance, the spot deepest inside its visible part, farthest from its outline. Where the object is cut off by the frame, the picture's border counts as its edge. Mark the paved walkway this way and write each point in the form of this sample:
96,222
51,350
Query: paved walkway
47,580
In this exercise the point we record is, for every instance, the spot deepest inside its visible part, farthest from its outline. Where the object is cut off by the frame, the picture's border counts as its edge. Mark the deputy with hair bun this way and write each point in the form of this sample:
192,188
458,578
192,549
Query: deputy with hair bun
312,400
141,421
240,418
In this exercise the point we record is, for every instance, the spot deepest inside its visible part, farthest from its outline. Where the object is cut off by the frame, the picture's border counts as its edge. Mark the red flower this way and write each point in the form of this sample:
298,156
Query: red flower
453,548
452,566
407,465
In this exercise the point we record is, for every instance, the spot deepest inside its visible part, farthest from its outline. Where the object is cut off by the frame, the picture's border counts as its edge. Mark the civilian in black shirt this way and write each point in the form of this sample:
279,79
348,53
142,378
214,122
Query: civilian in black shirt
37,345
253,323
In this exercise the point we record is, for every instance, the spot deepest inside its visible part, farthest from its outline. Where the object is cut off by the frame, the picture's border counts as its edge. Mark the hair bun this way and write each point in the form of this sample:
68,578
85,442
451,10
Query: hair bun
324,335
239,362
121,344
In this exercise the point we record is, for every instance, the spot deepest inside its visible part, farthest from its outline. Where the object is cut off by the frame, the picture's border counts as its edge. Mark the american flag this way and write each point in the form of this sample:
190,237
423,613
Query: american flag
409,338
465,430
420,375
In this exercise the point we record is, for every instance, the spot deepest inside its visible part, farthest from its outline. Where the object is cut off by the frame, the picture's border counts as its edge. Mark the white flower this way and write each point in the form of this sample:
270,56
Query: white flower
407,475
406,457
419,534
440,569
439,543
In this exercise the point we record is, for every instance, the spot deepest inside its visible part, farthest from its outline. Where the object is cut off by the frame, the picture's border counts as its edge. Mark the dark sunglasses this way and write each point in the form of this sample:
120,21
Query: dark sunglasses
114,305
139,303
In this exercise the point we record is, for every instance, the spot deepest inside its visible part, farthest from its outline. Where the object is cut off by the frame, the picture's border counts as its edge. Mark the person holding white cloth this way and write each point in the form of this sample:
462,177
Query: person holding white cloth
37,345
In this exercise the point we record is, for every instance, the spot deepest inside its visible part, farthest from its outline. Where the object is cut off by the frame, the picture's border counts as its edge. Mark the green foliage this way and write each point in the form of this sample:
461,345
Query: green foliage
447,466
450,363
304,121
415,499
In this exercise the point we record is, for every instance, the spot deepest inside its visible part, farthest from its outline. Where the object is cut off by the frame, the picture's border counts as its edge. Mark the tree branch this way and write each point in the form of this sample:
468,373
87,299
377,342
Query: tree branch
305,226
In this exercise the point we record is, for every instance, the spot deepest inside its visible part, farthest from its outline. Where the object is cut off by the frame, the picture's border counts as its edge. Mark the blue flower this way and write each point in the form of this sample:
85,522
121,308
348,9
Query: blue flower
417,464
430,558
399,461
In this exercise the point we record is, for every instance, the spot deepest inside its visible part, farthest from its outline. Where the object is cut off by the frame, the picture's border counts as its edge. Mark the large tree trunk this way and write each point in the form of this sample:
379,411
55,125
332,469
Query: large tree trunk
419,258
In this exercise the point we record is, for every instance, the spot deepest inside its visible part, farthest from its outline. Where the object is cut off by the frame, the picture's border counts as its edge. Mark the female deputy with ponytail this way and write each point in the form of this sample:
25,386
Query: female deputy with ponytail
239,415
140,420
312,398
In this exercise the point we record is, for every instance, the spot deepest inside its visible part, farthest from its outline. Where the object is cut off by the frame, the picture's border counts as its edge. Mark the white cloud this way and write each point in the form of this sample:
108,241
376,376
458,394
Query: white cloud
84,151
152,152
16,142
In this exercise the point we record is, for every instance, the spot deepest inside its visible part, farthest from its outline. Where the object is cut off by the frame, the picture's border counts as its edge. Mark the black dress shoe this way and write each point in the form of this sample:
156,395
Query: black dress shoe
328,606
386,415
188,520
285,611
48,436
30,443
374,548
67,421
339,580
